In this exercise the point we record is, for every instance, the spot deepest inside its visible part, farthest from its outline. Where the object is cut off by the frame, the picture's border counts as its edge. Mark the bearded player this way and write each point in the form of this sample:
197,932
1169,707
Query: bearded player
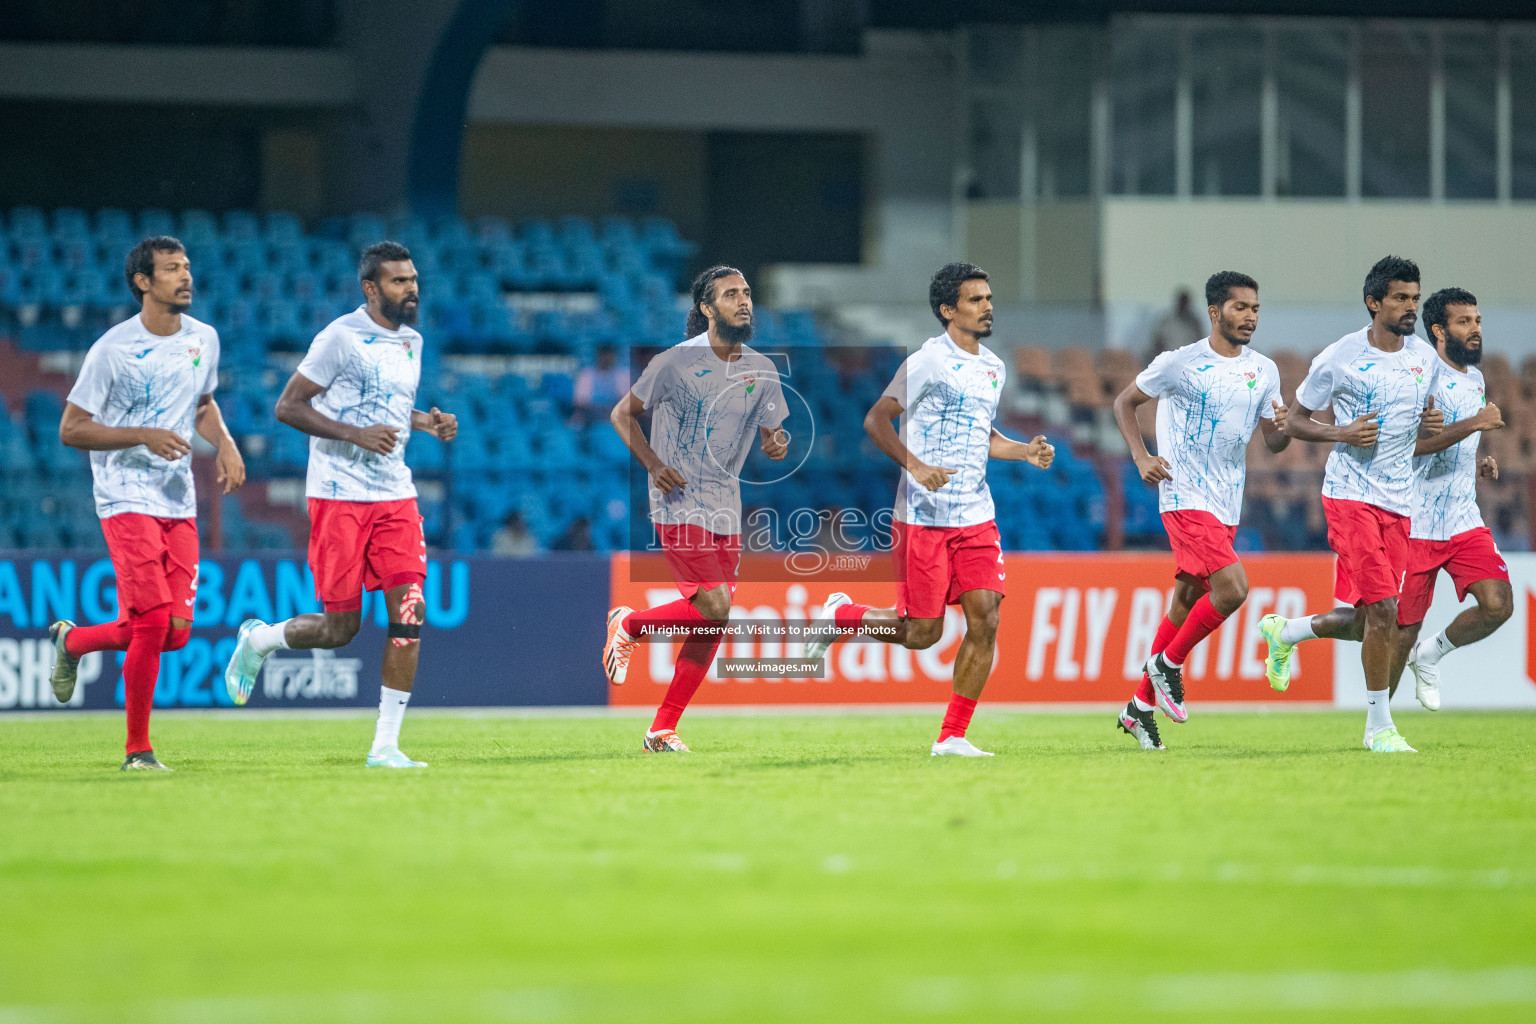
1447,530
1211,395
944,537
1381,383
144,387
354,394
708,397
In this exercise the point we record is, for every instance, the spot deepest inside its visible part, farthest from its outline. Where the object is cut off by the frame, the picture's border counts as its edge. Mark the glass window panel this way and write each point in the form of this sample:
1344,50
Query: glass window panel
995,137
1226,76
996,54
1063,110
1522,95
1394,105
1471,98
1144,60
1312,77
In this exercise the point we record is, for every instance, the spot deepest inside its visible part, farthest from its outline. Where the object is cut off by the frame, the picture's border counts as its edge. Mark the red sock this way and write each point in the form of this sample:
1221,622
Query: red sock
675,613
1201,622
957,718
141,670
692,665
1166,631
109,636
849,617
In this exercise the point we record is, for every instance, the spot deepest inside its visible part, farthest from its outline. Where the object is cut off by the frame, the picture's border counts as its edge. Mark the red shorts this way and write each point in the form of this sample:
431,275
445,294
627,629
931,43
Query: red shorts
1469,557
156,563
1202,544
700,559
1372,545
936,564
364,545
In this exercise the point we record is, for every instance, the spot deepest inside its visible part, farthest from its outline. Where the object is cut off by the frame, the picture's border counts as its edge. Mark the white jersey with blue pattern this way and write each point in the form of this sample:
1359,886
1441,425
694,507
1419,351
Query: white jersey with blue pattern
1355,377
370,376
1208,406
1447,480
133,378
949,399
705,415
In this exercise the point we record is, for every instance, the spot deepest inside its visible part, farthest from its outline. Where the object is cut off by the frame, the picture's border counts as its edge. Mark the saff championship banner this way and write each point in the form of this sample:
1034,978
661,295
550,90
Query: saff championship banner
496,634
1073,628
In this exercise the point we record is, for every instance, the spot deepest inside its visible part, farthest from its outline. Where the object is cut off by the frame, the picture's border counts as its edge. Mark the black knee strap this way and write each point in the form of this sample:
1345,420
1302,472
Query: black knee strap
404,631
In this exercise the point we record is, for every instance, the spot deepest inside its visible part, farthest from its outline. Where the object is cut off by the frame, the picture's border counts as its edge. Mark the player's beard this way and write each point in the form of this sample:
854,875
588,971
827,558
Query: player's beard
396,313
732,334
1229,332
1403,326
1458,352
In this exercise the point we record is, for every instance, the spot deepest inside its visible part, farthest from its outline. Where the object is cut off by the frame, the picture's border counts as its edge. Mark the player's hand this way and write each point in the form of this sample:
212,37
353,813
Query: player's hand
1154,468
1488,467
1433,420
229,467
167,444
378,438
442,425
1362,432
1280,412
776,444
931,477
668,479
1490,418
1039,452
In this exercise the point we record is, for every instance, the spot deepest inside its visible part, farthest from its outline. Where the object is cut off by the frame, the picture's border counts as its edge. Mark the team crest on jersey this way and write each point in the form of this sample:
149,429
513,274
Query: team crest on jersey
751,383
1418,374
196,352
1251,379
992,376
408,353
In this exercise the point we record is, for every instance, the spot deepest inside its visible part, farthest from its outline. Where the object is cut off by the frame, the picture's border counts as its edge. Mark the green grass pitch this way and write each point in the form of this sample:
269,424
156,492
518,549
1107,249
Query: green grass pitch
790,869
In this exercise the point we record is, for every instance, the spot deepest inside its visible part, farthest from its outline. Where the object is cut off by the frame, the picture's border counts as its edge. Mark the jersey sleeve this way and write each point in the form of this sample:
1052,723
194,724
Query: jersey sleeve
94,384
772,411
655,383
1271,392
1316,390
323,363
912,378
211,380
1160,377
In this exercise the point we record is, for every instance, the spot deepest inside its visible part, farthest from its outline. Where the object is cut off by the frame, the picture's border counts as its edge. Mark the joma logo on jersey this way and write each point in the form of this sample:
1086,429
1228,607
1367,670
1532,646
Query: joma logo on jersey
1367,366
1202,369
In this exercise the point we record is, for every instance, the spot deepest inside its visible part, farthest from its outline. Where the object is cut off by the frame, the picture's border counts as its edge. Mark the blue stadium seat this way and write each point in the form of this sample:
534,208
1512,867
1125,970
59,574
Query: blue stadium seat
156,222
28,222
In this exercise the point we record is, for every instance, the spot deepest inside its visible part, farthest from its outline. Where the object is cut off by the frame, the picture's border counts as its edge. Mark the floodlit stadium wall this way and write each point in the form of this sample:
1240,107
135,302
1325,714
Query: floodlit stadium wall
526,632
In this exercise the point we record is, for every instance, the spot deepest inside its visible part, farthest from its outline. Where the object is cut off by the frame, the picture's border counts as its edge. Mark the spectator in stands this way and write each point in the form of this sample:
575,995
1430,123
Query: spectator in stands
577,537
1177,328
513,538
599,387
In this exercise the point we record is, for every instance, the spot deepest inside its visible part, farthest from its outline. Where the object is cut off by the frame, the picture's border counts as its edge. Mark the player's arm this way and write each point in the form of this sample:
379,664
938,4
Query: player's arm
878,425
294,409
1152,468
774,441
625,418
1487,418
442,425
1275,437
79,429
226,455
1303,427
1038,452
